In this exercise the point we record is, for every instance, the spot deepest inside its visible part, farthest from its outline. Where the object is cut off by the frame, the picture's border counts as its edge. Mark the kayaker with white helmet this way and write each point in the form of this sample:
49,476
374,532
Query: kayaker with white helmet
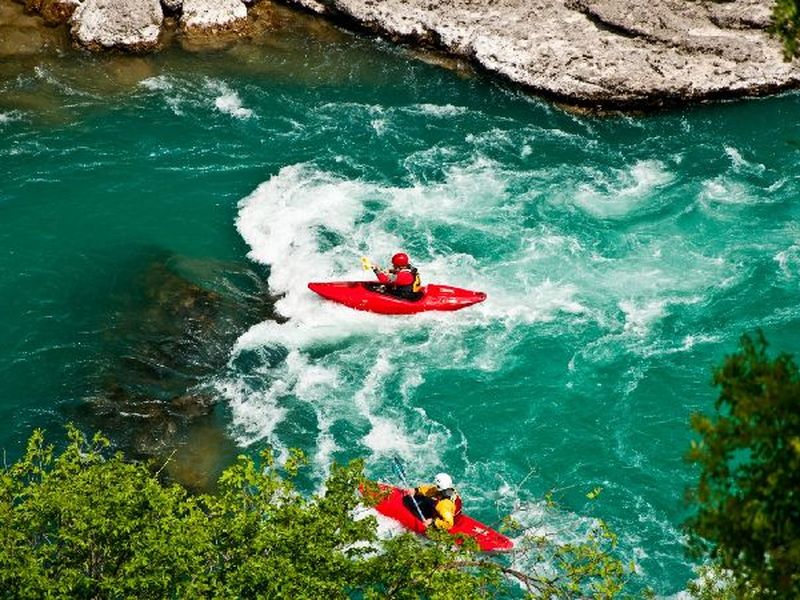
438,502
402,279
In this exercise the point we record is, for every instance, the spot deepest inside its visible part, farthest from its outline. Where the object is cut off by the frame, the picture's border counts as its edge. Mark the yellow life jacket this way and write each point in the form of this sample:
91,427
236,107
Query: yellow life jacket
447,507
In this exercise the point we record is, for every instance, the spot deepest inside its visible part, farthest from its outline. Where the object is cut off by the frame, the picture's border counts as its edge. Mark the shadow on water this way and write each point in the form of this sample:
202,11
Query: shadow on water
171,328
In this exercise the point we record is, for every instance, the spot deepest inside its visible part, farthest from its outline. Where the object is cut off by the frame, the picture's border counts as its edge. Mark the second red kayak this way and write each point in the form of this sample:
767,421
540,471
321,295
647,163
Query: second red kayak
487,538
367,295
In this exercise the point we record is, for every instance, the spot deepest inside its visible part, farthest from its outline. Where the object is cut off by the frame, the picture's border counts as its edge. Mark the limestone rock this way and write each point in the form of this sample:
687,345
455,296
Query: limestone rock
744,14
612,53
213,15
125,24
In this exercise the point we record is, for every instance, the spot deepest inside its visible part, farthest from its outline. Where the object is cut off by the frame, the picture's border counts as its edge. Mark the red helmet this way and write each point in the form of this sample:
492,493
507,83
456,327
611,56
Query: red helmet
400,259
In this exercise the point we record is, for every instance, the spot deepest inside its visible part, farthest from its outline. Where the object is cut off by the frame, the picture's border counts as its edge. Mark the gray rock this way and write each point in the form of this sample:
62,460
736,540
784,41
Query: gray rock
612,53
125,24
213,15
744,14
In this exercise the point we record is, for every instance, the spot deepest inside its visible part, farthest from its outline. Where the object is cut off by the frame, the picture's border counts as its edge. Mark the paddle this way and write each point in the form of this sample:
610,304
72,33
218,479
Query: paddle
398,467
367,264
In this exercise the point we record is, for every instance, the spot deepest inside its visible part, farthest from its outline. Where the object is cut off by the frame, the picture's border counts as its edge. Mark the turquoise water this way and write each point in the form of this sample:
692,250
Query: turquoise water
622,257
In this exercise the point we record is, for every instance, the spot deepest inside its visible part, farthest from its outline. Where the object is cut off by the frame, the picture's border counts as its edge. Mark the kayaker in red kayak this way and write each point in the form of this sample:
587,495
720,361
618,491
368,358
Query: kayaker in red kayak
438,503
402,279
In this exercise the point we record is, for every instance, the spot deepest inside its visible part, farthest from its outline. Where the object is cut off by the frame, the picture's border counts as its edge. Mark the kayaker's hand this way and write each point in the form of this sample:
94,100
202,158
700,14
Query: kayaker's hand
428,522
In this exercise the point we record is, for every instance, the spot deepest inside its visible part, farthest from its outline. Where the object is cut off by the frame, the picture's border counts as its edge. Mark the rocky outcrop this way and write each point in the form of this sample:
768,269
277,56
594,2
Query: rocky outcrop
605,53
213,15
54,12
132,25
611,53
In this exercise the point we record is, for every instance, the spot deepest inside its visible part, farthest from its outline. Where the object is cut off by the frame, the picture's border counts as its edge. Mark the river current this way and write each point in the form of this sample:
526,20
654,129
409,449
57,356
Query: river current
623,257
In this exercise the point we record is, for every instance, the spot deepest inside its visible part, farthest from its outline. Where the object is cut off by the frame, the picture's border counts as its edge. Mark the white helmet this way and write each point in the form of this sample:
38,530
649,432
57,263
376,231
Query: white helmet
443,481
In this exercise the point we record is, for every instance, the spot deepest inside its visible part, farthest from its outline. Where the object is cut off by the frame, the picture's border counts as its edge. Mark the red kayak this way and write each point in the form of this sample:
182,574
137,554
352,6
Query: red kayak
369,296
392,506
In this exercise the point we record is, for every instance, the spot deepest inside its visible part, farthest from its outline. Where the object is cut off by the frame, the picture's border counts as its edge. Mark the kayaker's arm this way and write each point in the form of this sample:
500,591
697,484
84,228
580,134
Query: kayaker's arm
382,276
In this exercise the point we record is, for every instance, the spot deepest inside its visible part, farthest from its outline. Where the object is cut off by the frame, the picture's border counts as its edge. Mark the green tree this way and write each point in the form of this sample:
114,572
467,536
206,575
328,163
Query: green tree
87,525
747,499
786,25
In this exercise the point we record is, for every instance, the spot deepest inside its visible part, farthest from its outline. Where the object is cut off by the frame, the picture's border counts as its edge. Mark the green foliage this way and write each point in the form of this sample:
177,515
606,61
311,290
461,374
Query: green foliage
715,583
747,499
786,25
585,569
82,525
87,525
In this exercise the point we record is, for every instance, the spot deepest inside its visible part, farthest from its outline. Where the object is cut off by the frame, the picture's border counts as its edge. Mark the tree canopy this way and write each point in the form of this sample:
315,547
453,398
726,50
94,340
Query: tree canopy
747,499
88,524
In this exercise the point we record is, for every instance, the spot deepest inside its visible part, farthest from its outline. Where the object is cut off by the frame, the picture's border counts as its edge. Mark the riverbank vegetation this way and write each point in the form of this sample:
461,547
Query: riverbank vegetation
786,24
87,523
747,498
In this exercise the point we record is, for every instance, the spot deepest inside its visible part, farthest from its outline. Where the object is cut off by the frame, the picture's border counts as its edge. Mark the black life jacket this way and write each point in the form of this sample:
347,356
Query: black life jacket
412,291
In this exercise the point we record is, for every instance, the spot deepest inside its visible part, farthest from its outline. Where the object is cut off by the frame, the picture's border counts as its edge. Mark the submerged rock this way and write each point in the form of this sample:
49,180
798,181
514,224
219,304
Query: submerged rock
173,330
612,53
23,34
132,25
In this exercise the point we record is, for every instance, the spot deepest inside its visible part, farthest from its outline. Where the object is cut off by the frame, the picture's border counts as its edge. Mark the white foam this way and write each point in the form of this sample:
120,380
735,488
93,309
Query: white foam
379,125
692,340
722,190
307,224
626,191
9,117
440,110
169,89
789,261
228,101
640,316
740,164
289,222
256,411
178,93
159,83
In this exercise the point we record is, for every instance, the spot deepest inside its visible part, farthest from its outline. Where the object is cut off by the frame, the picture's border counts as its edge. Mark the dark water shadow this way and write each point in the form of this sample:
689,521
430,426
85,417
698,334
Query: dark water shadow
169,329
